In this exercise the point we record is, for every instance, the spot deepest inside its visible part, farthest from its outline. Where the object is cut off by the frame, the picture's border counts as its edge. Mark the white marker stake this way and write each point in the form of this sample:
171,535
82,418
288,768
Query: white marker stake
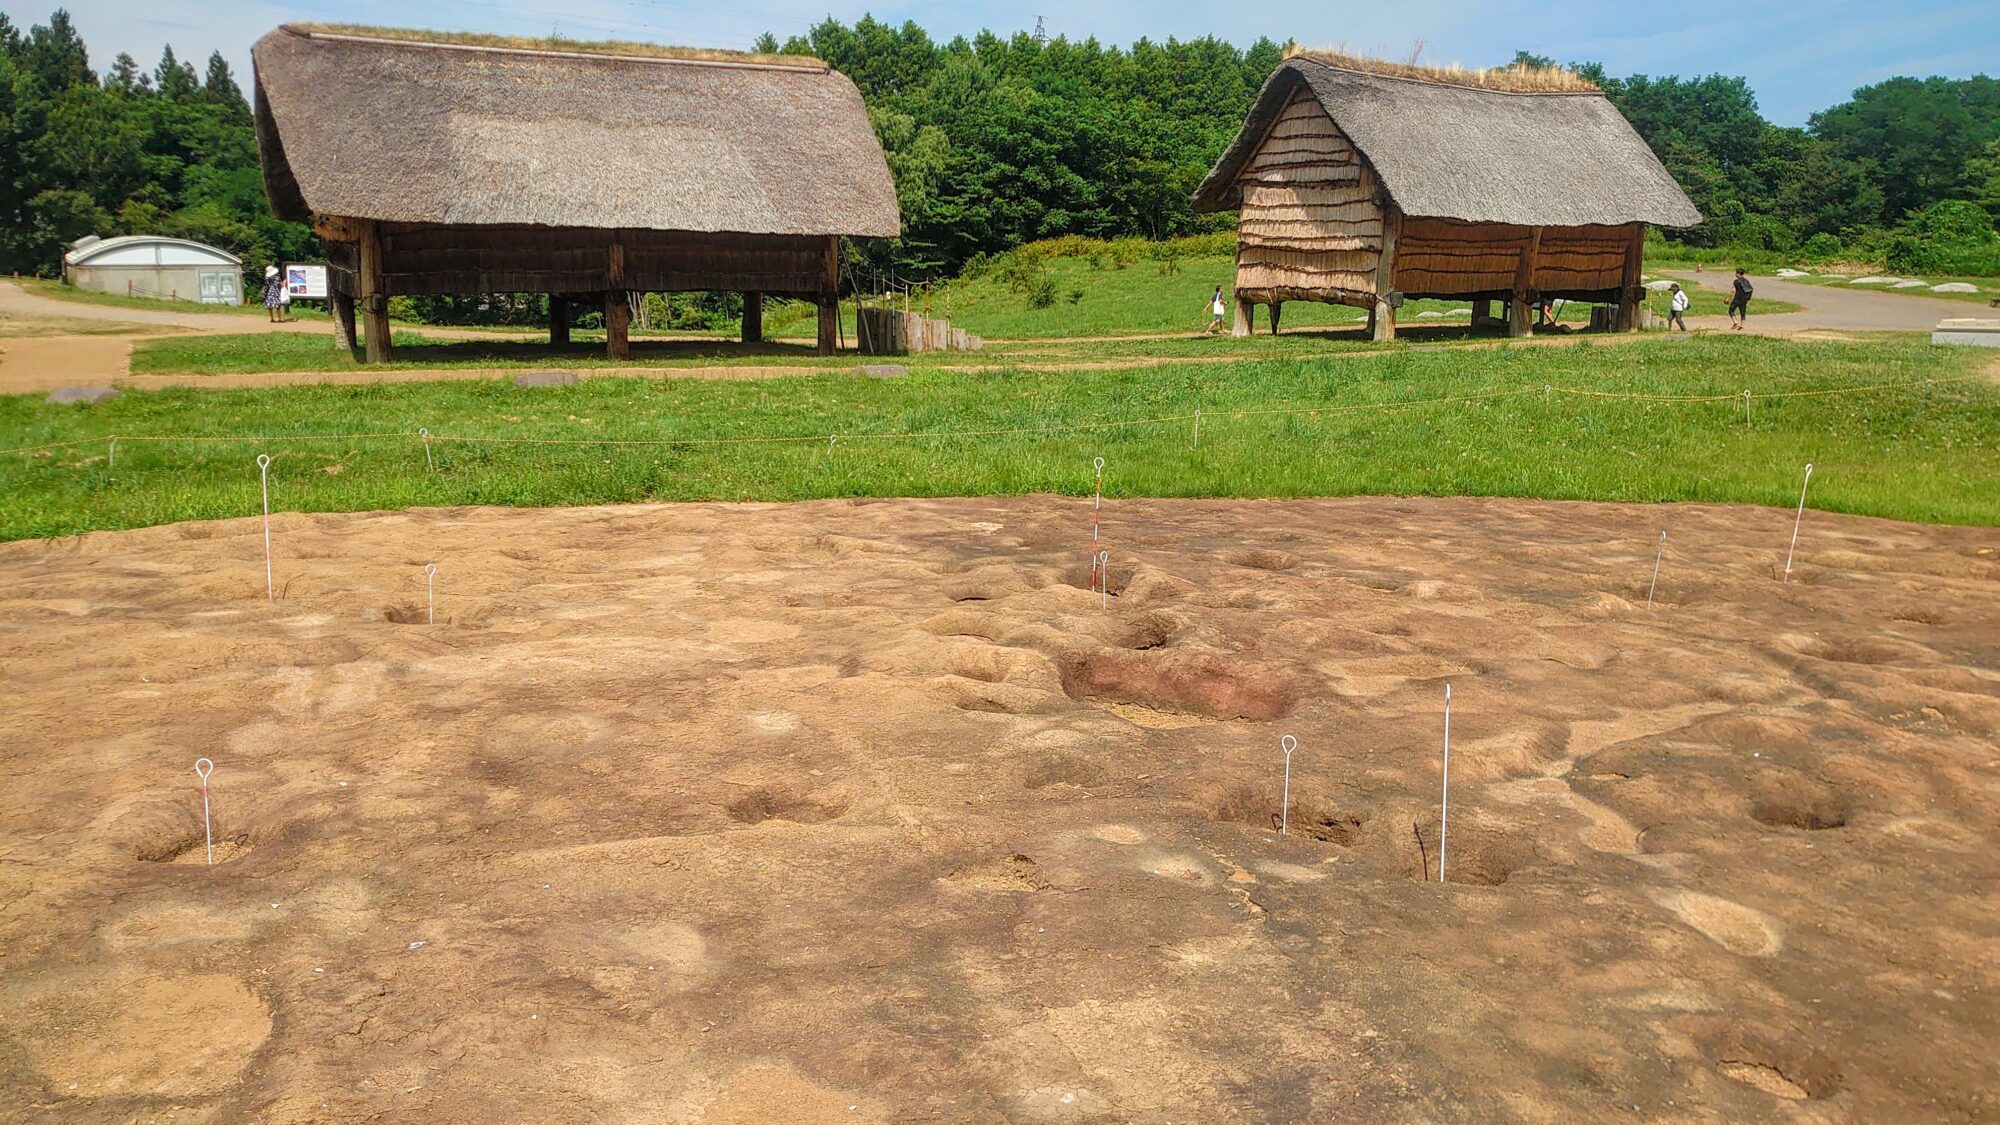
203,767
1444,811
1197,429
1656,569
1104,579
1097,505
1796,521
424,432
430,593
1746,408
264,479
111,458
1288,744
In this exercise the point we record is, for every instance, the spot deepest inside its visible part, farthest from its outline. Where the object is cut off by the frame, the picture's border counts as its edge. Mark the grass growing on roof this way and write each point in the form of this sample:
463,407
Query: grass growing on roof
1923,453
555,43
1519,78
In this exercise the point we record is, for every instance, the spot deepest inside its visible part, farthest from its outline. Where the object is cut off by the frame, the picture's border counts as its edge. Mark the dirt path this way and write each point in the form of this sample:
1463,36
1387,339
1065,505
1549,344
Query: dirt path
1835,308
871,811
40,363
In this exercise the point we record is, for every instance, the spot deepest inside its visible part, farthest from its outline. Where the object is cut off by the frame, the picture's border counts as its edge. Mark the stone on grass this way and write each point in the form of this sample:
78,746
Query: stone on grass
545,379
1661,285
1910,283
1955,287
1872,280
884,370
83,394
1793,273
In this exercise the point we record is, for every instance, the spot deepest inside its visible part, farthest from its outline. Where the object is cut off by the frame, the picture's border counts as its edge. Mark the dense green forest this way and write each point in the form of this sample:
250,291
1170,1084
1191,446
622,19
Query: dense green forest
999,141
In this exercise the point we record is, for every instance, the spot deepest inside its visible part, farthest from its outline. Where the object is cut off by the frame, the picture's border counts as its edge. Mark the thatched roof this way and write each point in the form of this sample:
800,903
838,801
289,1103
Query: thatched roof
1447,147
375,126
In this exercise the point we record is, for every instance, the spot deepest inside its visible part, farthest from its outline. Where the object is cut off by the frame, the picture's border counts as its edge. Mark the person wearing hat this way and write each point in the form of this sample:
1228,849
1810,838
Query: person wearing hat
274,294
1677,308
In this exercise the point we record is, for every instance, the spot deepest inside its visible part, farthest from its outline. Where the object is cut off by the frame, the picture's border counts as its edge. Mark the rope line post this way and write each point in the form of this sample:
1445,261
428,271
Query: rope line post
1657,556
430,593
1197,429
1288,744
1104,579
1746,409
111,457
264,481
202,768
1796,521
424,432
1444,808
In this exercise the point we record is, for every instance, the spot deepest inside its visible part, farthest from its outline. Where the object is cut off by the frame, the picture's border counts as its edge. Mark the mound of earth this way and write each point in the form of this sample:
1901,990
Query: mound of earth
854,811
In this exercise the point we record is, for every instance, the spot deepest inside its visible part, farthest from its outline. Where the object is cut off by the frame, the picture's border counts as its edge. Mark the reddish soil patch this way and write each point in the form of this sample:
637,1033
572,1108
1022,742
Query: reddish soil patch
869,811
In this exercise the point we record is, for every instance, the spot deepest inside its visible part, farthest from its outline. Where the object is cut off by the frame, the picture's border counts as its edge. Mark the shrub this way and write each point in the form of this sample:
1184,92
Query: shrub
1823,247
1042,293
1953,236
1076,296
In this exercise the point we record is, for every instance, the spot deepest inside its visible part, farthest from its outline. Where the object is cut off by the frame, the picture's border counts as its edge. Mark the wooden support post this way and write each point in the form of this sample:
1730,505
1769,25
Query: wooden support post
829,326
558,321
617,324
1482,312
342,307
1275,306
1628,284
1246,317
1520,314
374,298
1382,319
753,318
829,300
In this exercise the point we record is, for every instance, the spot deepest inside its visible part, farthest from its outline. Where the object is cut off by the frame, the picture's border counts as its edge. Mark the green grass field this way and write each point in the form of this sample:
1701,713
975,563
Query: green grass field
1989,288
1921,453
1138,300
1141,299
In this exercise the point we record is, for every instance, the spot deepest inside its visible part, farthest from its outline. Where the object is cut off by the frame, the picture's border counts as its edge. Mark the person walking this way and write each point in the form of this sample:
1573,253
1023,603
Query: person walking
1216,310
274,294
1677,307
1739,300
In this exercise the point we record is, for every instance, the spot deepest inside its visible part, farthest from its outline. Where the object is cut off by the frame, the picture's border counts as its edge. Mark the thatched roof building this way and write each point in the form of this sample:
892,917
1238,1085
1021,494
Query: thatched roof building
454,164
1363,183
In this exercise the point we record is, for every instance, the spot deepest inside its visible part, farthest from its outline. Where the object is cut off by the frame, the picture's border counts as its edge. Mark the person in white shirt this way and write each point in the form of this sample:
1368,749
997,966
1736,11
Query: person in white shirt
1677,306
1216,311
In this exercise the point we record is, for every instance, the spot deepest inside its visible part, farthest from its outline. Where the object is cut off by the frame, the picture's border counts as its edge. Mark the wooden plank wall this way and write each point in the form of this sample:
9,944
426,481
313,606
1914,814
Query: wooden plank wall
1448,257
524,259
1582,258
1310,223
1453,258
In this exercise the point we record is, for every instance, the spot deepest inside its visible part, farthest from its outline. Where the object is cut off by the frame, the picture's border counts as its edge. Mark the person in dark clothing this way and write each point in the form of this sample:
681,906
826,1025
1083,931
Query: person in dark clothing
1739,300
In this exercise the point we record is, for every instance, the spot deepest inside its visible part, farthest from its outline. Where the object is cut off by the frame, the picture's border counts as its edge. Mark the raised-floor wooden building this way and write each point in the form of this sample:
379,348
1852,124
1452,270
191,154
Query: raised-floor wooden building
436,164
1363,183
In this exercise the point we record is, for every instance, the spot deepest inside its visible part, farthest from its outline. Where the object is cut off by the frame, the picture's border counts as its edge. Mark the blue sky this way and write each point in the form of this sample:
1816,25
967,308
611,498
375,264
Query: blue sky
1799,56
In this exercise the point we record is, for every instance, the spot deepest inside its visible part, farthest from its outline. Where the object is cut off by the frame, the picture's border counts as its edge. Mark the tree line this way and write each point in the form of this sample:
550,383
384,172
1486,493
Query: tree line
166,151
997,141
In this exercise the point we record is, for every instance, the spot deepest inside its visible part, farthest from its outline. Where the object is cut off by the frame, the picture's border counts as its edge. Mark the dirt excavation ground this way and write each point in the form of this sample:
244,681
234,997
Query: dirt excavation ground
868,811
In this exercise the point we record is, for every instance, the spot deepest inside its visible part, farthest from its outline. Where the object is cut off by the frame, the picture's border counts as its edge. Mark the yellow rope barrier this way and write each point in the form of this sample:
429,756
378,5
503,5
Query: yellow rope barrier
1074,427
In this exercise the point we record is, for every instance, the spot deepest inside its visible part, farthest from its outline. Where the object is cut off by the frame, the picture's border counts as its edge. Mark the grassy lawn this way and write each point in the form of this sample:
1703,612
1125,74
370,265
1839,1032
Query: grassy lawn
1989,287
1922,454
1138,300
1142,299
290,351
